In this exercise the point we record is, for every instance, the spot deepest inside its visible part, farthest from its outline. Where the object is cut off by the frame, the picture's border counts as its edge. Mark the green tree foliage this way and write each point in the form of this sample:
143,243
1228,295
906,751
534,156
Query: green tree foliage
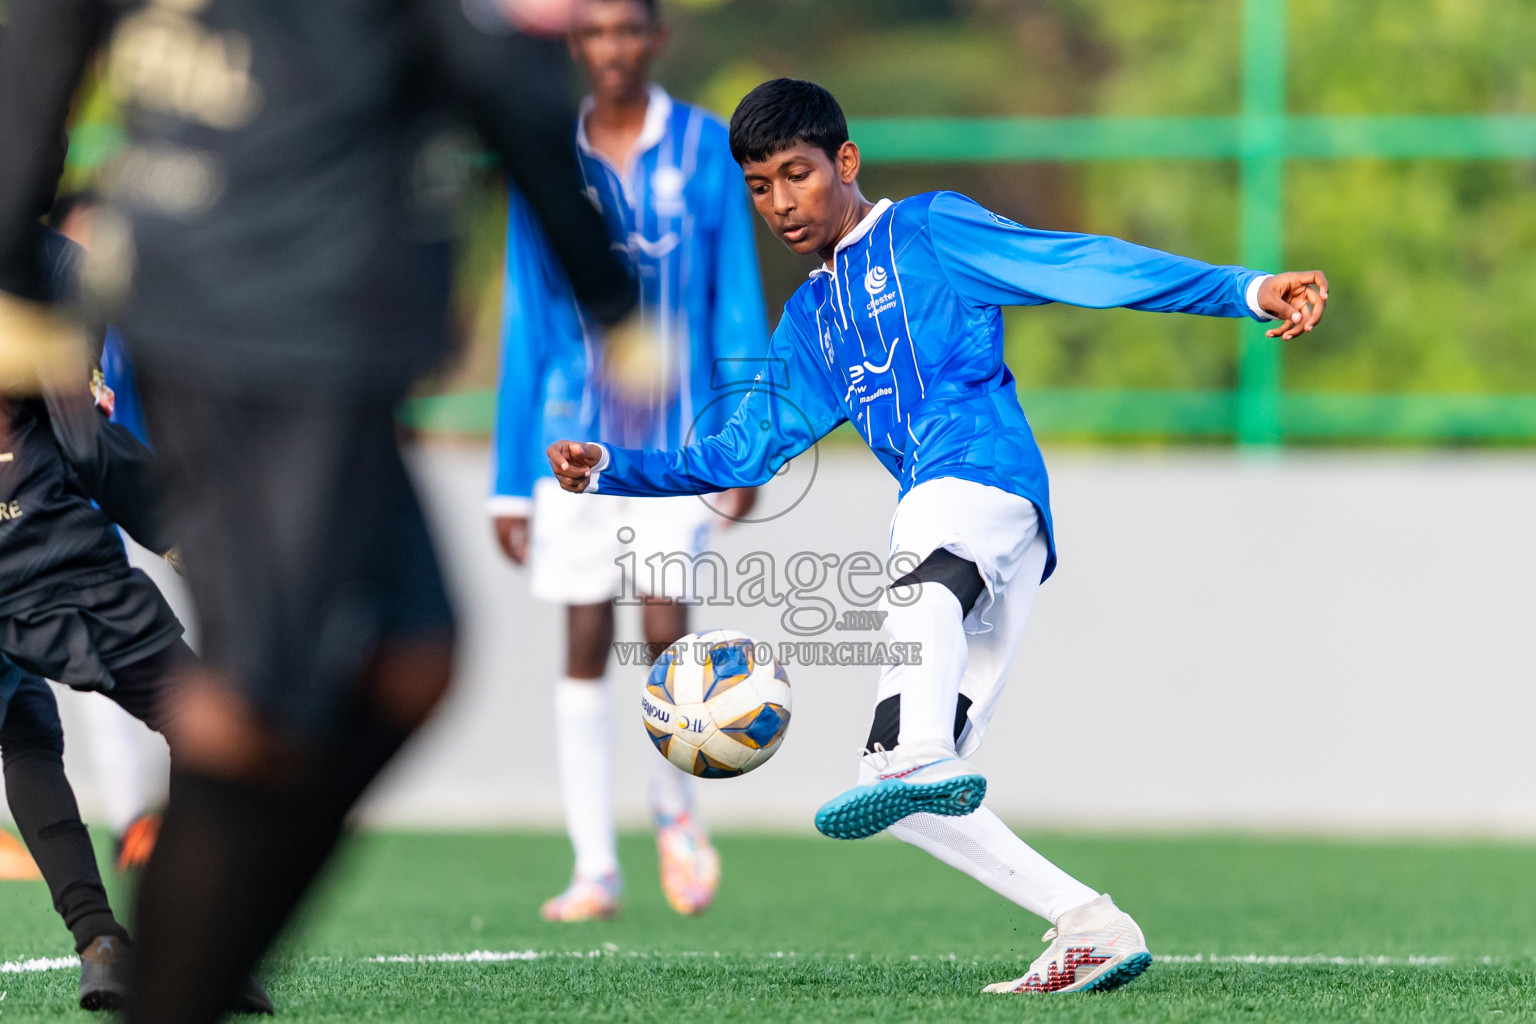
1431,260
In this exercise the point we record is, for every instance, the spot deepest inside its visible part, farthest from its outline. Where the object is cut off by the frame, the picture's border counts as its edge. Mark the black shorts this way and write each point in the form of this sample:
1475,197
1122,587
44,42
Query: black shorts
303,542
79,630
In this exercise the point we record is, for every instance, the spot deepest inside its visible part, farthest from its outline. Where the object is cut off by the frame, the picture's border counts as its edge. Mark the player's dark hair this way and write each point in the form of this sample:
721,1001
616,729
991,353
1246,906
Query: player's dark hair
781,113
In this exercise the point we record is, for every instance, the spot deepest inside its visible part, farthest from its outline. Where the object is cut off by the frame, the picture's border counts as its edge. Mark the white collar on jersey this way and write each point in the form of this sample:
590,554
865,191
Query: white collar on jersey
658,111
860,229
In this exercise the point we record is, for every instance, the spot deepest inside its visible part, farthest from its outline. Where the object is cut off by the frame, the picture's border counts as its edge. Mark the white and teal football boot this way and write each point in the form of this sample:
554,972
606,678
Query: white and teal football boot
1094,948
906,781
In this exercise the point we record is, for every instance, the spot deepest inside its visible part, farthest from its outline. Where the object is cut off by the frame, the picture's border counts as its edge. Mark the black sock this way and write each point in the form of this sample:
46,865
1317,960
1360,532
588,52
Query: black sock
44,808
231,864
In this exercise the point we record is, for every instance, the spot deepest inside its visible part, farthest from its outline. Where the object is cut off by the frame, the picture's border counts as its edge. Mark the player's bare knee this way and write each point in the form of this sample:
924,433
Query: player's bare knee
588,638
409,677
664,622
212,730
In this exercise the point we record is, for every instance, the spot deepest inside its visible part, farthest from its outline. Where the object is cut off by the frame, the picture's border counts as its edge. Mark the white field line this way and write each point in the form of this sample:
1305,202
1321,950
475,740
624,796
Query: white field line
1253,959
37,964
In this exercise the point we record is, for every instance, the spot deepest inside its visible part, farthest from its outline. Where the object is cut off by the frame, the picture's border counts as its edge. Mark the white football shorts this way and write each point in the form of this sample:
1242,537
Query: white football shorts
590,548
1002,534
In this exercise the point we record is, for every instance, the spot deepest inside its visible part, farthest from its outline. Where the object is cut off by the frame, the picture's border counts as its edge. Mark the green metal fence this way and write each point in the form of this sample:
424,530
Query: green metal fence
1261,138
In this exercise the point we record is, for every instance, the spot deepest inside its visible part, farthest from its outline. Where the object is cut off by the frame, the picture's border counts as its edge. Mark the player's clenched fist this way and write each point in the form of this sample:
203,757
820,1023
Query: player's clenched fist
1297,299
573,463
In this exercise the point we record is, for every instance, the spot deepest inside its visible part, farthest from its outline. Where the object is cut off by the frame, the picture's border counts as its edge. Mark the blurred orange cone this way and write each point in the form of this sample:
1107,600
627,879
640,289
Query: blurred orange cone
16,863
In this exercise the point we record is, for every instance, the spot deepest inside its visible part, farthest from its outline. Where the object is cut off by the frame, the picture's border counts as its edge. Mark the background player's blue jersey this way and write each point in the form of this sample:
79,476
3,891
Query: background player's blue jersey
680,211
904,338
117,373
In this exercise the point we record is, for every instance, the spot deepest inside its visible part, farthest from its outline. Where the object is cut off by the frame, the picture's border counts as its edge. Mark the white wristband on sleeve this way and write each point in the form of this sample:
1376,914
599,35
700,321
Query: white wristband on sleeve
1253,297
597,470
510,506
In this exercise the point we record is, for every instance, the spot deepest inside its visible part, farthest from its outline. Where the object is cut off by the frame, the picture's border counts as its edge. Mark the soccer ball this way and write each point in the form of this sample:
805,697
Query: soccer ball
716,704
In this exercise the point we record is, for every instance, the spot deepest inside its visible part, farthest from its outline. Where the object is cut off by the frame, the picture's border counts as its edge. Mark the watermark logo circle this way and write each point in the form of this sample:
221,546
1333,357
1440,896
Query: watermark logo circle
792,478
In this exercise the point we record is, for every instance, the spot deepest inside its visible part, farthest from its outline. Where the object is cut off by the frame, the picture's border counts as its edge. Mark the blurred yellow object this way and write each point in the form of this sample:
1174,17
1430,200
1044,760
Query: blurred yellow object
16,864
38,342
633,364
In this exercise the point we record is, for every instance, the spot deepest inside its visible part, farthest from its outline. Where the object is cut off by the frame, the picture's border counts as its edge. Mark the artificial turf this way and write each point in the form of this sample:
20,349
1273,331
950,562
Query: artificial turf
809,929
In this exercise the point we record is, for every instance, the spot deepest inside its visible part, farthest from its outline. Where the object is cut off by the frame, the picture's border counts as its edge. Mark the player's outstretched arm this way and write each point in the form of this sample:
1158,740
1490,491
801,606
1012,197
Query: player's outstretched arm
1297,299
990,260
788,407
766,431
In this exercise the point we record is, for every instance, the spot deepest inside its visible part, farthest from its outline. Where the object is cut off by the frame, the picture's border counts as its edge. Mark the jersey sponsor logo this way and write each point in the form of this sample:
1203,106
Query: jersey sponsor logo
890,357
876,282
10,510
667,186
857,371
661,248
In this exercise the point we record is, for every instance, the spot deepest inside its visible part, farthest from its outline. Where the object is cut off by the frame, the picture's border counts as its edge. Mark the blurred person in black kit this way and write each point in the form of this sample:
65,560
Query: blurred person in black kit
74,610
275,248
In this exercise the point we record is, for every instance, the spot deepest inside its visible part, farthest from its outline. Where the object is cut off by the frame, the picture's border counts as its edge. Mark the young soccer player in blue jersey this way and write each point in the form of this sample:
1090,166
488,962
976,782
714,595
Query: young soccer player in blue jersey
899,331
662,173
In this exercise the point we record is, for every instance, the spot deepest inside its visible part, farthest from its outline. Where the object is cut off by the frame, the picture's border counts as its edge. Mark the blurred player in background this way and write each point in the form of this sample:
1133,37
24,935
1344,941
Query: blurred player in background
899,332
113,740
72,609
275,245
673,199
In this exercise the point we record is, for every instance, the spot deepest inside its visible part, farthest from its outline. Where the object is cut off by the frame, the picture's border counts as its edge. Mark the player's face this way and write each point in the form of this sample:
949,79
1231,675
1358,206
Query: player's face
616,41
804,195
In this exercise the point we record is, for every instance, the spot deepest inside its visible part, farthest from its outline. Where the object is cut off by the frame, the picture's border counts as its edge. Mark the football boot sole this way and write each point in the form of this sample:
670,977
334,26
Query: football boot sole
1123,973
869,810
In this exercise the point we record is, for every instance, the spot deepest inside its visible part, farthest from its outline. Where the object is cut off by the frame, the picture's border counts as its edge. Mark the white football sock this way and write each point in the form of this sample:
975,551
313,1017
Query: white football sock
584,748
929,690
671,791
984,848
117,761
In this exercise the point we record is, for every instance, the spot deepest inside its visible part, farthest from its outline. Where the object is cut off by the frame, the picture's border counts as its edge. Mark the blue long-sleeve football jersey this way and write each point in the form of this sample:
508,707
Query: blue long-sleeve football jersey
117,373
680,212
904,338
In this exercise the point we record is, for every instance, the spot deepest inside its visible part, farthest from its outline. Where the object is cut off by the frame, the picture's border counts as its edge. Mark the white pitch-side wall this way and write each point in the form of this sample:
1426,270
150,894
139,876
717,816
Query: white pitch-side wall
1326,642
